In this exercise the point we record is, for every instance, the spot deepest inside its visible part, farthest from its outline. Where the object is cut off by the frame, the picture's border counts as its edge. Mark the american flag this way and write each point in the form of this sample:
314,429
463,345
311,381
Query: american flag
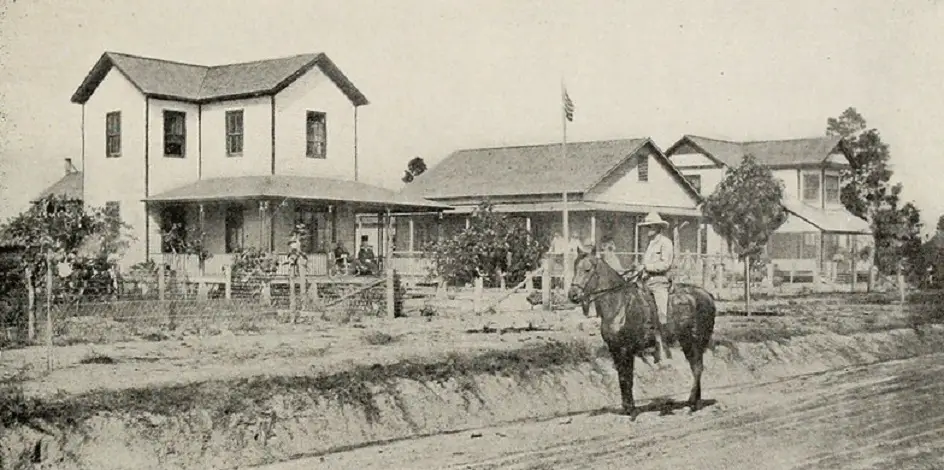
568,105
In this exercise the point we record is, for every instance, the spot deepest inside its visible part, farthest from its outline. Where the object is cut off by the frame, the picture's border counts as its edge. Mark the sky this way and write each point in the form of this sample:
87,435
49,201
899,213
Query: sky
442,75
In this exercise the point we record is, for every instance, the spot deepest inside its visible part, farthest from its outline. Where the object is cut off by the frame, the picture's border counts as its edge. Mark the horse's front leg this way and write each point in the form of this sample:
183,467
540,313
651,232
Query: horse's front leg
625,361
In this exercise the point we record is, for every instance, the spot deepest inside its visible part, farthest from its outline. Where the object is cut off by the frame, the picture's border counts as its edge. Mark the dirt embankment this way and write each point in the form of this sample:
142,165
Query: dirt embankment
248,422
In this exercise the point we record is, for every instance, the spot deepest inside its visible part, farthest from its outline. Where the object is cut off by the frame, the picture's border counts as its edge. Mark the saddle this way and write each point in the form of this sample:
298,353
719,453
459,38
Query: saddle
651,321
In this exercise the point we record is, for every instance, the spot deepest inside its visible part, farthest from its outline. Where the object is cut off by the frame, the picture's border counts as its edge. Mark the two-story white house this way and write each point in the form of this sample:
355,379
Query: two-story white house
818,228
238,155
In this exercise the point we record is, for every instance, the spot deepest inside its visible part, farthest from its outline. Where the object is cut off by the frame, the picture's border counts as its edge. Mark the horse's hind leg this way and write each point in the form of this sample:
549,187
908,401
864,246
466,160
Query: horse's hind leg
696,362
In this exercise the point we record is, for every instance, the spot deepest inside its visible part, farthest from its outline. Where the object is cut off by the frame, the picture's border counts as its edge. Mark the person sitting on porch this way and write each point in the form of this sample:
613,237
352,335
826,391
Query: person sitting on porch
366,263
657,261
341,257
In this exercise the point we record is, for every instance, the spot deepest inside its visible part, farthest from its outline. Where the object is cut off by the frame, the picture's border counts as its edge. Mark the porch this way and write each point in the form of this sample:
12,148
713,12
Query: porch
199,230
611,227
821,246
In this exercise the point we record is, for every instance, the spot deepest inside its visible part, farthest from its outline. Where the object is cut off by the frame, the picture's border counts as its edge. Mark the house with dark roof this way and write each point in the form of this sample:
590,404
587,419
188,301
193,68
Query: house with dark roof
239,155
611,185
820,234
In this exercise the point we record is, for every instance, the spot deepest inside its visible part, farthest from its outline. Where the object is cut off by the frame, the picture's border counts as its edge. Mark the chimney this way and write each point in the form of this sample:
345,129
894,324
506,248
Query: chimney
69,167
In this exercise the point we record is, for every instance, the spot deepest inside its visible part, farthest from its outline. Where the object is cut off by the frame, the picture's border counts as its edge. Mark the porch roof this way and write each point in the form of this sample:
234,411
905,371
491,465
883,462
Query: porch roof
838,221
295,187
585,206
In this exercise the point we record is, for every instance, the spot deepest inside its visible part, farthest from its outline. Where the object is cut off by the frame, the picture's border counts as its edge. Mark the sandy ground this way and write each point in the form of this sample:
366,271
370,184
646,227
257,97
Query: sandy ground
880,416
322,347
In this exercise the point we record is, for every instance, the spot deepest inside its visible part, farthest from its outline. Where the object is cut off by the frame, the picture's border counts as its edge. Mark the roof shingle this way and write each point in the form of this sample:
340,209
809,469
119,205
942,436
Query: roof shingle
293,187
788,152
200,83
69,187
525,170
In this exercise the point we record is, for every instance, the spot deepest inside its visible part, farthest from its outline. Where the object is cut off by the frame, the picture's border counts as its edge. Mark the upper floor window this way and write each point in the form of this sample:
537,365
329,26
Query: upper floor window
831,189
811,187
643,168
113,134
317,135
234,132
175,133
695,181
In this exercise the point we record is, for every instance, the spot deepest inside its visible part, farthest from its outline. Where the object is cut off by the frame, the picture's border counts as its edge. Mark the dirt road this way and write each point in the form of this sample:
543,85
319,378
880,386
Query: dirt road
887,415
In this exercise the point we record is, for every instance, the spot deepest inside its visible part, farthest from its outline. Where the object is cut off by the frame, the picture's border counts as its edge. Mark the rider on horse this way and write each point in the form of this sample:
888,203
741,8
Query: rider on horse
657,261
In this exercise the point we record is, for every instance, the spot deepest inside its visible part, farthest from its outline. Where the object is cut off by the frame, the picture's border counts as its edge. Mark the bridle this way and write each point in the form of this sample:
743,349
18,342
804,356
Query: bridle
591,296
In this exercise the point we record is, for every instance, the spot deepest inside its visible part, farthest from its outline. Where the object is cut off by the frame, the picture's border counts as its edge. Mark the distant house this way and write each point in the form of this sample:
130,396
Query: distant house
819,231
68,187
239,154
611,185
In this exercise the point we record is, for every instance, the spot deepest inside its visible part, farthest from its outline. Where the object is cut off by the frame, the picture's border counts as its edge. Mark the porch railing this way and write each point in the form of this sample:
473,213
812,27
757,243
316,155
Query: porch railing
189,265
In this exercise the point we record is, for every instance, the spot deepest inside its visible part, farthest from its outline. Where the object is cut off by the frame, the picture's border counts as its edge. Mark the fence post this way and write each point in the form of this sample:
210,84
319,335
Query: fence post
227,283
31,303
546,283
771,272
161,282
291,288
202,291
477,291
48,312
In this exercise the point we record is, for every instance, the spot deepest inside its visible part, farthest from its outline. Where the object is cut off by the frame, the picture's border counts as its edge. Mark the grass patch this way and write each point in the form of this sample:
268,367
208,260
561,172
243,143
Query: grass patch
379,338
351,387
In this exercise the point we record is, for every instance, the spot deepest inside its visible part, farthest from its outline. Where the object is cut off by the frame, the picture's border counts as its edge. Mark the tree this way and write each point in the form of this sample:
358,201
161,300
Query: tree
62,232
940,224
745,209
492,246
415,167
866,184
898,240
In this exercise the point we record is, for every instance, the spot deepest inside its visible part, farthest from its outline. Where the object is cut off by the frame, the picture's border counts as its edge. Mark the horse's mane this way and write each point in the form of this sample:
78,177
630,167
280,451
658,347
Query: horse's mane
608,271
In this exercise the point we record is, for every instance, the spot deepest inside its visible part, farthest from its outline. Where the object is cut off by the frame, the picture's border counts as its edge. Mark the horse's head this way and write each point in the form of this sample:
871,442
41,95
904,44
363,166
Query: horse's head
586,275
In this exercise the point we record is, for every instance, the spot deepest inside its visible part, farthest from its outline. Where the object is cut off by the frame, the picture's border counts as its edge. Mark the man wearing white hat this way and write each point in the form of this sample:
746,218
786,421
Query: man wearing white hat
657,261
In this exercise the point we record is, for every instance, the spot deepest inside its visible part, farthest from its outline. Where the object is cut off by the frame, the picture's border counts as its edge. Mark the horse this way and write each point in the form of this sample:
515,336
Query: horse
628,312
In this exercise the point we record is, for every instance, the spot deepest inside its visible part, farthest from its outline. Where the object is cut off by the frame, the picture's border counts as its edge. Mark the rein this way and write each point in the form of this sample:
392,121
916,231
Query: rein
591,296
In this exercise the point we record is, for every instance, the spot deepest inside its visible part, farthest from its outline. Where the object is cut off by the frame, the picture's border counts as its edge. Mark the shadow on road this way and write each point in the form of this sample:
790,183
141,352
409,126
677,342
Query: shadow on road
663,405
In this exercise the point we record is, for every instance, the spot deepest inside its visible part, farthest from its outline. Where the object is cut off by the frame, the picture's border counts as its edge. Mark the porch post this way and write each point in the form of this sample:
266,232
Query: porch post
527,227
334,223
202,241
852,248
439,228
261,224
388,268
593,228
468,223
380,231
636,239
411,234
698,238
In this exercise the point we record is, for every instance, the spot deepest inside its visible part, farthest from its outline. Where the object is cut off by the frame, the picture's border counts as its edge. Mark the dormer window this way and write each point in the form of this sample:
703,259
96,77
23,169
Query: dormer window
175,133
317,135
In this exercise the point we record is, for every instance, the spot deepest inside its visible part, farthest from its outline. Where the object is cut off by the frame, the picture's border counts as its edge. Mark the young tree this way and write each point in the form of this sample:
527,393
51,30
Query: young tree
415,167
64,232
940,224
492,246
745,209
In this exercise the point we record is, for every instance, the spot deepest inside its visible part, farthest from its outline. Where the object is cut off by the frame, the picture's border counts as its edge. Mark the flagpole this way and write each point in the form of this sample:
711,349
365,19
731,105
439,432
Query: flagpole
566,224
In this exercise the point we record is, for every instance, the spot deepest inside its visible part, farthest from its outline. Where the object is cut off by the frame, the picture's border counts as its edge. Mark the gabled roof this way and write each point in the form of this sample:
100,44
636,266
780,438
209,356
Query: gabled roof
69,187
531,169
293,187
165,79
790,152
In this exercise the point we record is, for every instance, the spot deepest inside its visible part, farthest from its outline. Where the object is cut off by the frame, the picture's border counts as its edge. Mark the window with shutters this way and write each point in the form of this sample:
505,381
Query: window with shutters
317,135
234,133
113,134
811,187
175,133
831,189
